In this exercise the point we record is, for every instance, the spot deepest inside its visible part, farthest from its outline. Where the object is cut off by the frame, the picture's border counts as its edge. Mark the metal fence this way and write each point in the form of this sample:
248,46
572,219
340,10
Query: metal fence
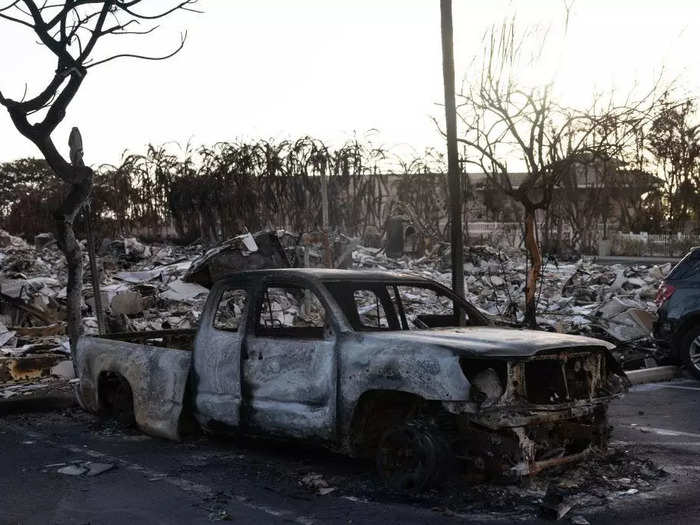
643,244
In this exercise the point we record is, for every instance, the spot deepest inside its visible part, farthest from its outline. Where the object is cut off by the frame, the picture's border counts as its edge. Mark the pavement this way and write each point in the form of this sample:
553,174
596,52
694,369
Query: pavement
660,421
247,481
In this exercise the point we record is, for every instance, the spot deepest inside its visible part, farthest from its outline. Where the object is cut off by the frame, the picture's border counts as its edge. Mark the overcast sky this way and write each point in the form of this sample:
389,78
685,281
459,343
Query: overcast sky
332,68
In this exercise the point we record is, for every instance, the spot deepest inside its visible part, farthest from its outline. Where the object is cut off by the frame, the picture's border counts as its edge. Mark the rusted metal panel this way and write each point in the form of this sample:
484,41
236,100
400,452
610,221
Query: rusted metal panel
28,367
235,255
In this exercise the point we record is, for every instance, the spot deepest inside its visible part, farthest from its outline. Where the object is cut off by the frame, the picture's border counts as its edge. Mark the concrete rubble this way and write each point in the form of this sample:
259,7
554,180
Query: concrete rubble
615,302
161,287
80,468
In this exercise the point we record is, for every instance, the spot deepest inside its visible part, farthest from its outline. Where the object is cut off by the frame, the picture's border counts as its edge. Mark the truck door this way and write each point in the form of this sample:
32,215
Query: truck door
217,357
289,375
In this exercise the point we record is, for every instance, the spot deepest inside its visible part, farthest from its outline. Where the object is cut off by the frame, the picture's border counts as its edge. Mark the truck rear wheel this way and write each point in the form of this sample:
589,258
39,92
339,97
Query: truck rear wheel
690,351
116,398
412,457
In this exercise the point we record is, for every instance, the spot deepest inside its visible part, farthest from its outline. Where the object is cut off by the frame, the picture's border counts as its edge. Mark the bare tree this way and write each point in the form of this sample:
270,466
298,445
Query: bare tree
71,30
584,203
674,141
504,121
638,198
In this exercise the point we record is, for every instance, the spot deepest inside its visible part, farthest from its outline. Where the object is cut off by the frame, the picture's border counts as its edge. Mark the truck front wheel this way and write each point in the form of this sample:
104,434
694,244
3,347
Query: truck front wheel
412,456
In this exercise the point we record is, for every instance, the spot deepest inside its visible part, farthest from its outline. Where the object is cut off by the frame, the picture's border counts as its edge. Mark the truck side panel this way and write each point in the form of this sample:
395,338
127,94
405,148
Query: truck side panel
216,374
157,377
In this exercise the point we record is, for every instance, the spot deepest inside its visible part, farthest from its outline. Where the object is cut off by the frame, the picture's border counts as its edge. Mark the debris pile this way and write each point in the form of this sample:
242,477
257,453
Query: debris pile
161,287
611,302
32,320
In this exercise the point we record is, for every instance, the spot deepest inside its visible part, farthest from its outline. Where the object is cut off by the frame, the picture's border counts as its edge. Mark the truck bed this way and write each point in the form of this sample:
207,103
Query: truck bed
156,374
182,339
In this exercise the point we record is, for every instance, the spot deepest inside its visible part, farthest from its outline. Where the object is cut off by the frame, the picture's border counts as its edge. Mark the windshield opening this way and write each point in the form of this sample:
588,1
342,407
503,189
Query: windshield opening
384,306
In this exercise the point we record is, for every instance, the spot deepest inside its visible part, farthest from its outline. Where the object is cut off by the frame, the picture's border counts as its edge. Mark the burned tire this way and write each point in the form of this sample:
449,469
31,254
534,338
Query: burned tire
116,398
689,351
412,457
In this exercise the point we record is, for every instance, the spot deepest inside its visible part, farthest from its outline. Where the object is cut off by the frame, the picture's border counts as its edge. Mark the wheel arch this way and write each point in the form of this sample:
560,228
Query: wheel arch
688,322
115,395
376,410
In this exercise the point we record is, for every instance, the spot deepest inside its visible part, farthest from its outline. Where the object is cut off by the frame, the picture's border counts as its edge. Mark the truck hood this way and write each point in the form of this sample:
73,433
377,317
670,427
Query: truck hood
480,341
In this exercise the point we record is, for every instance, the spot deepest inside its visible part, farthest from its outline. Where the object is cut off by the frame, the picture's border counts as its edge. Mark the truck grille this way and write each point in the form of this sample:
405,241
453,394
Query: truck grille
562,378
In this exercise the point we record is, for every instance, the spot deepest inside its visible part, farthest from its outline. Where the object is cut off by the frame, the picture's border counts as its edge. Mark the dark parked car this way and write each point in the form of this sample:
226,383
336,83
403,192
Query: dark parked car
678,326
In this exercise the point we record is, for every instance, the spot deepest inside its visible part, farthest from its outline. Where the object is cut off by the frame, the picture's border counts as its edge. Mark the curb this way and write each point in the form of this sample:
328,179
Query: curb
56,395
36,404
652,375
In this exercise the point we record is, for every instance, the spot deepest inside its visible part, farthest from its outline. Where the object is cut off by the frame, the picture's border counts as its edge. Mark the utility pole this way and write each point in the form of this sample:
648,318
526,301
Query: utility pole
453,175
327,256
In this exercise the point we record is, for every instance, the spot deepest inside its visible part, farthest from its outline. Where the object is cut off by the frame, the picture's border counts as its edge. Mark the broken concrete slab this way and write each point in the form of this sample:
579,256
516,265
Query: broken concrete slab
63,369
139,277
72,470
127,303
14,287
95,469
183,291
631,324
614,306
6,336
88,468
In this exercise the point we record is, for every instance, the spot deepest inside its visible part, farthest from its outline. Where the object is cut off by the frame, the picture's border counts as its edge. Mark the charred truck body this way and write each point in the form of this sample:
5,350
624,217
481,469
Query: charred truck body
366,363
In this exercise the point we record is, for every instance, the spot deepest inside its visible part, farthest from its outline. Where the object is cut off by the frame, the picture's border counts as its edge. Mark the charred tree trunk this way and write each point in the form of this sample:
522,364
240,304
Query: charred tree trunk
77,197
533,274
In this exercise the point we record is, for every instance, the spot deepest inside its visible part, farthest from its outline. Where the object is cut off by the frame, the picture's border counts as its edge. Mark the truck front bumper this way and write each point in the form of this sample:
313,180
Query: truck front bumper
514,443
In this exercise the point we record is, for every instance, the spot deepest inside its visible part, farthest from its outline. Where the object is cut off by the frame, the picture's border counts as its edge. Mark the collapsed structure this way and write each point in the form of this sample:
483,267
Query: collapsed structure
158,287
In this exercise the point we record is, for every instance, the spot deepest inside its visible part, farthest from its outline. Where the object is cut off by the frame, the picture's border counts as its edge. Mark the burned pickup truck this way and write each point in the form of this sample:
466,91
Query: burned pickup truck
371,364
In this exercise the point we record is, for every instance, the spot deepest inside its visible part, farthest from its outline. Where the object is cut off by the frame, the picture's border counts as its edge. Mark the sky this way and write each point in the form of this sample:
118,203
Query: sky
336,69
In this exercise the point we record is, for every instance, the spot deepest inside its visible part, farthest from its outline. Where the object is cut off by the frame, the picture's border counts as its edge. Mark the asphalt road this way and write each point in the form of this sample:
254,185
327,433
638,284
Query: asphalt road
204,480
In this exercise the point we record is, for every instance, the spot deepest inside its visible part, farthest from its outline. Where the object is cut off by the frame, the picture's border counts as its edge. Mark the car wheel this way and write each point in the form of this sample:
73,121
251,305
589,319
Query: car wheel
412,457
690,351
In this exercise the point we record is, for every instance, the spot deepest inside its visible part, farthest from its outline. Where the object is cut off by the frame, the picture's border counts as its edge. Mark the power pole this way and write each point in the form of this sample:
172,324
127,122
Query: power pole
327,256
453,175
